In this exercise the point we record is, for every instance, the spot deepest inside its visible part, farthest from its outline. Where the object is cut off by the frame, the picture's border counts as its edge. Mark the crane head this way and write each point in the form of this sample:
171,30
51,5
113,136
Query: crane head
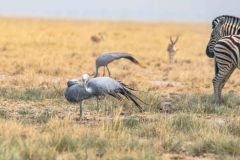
72,82
85,77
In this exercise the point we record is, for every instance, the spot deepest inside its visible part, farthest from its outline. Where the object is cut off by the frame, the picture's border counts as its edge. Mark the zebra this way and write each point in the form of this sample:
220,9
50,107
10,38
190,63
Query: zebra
224,25
227,59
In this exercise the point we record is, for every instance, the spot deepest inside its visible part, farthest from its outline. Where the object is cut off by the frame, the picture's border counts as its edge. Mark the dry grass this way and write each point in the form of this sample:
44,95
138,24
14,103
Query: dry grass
39,56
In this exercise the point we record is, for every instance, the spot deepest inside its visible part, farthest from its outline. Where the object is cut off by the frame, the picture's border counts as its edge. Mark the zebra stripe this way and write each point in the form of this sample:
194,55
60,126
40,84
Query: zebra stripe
227,59
222,26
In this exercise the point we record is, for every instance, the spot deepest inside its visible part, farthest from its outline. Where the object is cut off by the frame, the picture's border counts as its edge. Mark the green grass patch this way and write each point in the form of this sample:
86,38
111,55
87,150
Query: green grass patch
29,94
225,145
186,123
203,103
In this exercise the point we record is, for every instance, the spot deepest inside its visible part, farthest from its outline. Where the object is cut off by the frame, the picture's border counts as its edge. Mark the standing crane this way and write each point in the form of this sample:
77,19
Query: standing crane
106,58
76,93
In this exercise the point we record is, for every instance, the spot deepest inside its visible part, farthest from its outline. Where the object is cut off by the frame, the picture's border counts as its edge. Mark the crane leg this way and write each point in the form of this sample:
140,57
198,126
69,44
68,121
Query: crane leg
105,101
103,70
96,74
80,109
109,74
97,103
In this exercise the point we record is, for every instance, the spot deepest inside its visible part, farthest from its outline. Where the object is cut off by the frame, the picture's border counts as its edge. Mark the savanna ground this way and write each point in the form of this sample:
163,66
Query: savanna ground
180,122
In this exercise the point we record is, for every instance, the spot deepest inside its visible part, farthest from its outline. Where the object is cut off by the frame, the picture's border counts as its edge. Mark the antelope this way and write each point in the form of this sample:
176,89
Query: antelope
172,48
97,38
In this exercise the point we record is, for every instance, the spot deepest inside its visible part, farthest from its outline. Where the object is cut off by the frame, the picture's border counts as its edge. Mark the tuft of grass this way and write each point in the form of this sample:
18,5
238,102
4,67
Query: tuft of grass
222,146
149,154
45,116
148,130
152,101
130,123
172,144
66,144
231,100
25,111
126,157
186,123
203,103
3,114
234,128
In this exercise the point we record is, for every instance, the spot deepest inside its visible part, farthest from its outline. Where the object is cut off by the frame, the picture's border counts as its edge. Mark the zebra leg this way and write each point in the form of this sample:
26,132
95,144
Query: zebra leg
223,74
109,74
231,69
216,86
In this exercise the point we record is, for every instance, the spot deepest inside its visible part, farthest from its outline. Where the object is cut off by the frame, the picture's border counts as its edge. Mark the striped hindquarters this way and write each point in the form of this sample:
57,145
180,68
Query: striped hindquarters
226,51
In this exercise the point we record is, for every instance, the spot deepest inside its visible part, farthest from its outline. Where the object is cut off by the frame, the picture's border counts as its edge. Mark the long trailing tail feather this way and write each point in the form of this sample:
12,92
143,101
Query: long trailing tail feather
126,86
131,58
135,96
136,103
126,56
132,97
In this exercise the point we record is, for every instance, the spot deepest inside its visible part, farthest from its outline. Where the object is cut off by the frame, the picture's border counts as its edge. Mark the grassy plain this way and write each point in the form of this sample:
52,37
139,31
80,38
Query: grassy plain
38,56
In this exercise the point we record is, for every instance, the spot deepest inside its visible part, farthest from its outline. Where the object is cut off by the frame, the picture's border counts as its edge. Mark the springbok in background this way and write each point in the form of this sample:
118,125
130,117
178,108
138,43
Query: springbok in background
172,49
97,38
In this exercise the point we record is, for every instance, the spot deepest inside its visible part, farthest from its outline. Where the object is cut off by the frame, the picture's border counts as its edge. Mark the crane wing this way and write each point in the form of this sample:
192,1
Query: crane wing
109,86
76,93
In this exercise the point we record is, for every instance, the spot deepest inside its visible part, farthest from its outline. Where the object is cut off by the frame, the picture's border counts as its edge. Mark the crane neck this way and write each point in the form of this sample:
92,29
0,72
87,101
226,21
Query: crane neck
88,89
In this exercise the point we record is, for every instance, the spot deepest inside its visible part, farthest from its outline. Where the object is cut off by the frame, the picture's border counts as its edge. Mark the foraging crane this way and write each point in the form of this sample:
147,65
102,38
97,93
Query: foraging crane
172,49
106,58
96,87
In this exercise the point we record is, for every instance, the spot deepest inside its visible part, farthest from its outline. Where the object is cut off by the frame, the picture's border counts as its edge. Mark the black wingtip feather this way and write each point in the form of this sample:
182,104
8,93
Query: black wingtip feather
131,58
132,97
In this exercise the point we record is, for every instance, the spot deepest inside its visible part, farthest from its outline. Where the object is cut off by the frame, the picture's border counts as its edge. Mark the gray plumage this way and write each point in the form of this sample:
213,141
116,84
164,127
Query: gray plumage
103,86
106,58
76,93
